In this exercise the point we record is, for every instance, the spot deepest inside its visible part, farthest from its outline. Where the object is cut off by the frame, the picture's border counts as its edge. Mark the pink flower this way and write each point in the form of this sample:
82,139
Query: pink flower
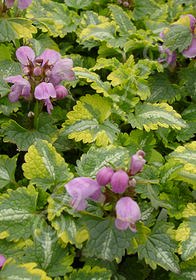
21,87
119,181
104,176
44,91
127,213
80,188
2,260
137,162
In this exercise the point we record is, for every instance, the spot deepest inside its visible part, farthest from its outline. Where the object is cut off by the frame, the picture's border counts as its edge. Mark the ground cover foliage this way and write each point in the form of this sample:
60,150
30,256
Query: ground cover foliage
133,93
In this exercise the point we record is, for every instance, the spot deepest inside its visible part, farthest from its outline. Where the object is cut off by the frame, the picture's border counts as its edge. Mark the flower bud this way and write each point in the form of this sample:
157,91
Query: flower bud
31,115
2,260
119,181
61,92
126,4
137,162
37,71
104,176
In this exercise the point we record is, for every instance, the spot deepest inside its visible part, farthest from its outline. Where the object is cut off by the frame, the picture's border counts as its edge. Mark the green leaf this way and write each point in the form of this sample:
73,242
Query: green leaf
78,4
88,121
48,254
162,90
86,273
10,68
159,249
178,37
4,88
7,107
122,20
108,242
52,17
102,32
69,230
96,158
18,212
93,78
7,170
187,81
187,155
16,28
5,52
12,270
52,169
186,234
150,116
143,9
24,138
41,43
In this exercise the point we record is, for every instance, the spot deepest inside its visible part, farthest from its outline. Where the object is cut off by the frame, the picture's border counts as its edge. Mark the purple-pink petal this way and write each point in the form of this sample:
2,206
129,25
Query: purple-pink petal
44,91
24,54
50,56
24,4
190,51
9,3
62,70
121,224
2,260
49,106
79,204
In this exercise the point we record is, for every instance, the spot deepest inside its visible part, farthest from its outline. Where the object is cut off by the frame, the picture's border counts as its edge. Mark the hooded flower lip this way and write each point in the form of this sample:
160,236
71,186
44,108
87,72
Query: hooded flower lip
21,87
50,57
44,91
2,260
119,181
127,213
80,188
25,55
137,163
62,70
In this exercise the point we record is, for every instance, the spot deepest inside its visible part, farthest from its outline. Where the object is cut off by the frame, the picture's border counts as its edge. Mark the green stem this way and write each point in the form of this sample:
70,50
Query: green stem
36,114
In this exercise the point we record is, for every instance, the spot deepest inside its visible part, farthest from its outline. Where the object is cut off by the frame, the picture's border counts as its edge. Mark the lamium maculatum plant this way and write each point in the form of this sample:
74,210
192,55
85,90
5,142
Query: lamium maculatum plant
98,147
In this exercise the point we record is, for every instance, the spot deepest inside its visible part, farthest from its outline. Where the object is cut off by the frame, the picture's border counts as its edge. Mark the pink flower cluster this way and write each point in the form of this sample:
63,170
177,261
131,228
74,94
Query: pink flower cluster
22,4
127,210
42,76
